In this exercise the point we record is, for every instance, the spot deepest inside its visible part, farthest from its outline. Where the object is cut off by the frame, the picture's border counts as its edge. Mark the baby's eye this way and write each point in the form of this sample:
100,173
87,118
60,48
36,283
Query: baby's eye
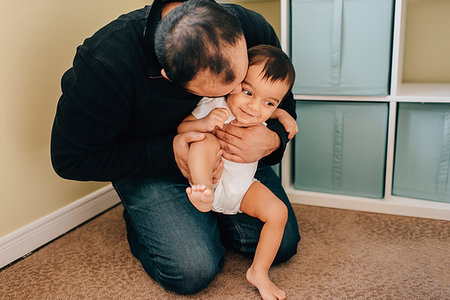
247,92
269,103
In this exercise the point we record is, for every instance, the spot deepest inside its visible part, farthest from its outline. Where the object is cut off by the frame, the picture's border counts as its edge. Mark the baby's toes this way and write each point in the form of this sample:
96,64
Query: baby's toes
281,295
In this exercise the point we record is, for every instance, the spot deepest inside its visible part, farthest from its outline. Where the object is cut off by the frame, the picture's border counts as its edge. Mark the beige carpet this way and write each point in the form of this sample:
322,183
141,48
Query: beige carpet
342,255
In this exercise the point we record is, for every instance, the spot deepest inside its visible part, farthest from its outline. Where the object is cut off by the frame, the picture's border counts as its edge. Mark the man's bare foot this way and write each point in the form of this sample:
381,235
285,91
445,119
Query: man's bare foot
267,289
201,197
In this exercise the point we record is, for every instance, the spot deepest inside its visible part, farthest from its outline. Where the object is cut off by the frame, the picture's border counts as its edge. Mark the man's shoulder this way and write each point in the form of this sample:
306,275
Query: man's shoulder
245,15
126,27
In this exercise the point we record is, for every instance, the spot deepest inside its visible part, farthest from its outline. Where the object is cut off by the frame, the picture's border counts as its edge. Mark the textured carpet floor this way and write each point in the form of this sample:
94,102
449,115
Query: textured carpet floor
342,255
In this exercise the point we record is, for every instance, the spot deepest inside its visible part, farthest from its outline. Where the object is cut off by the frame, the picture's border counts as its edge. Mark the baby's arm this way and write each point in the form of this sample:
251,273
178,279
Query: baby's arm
214,119
287,120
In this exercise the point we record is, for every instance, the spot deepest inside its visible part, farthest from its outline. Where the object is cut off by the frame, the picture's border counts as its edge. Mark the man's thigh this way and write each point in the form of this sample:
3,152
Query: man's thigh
242,231
176,243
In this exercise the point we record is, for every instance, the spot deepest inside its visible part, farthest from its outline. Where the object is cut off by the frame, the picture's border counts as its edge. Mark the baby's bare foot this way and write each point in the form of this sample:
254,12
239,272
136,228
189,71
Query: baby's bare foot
267,289
201,197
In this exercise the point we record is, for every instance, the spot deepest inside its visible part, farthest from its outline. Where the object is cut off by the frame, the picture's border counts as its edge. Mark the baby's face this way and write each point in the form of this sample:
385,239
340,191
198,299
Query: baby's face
258,99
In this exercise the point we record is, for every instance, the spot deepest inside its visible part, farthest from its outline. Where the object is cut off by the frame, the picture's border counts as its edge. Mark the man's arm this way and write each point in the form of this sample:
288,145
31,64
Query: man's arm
89,140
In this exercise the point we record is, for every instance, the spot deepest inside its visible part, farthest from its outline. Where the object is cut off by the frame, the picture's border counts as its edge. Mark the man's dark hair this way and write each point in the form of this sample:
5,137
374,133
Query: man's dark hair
192,37
277,65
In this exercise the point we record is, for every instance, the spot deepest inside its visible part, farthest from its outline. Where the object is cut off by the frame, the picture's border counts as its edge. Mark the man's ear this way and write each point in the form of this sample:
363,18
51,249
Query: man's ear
163,73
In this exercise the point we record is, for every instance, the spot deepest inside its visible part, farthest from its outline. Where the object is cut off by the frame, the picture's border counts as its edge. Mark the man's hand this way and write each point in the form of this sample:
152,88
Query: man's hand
246,145
181,144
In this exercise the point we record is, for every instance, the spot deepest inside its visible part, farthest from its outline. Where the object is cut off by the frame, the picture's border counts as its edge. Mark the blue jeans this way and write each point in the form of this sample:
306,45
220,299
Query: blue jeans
180,247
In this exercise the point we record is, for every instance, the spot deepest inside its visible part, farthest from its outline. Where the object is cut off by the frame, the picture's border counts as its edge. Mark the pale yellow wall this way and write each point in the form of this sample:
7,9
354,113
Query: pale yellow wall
37,44
270,9
427,41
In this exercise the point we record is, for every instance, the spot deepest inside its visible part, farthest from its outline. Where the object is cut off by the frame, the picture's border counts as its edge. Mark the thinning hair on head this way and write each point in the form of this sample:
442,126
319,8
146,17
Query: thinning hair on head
277,65
193,37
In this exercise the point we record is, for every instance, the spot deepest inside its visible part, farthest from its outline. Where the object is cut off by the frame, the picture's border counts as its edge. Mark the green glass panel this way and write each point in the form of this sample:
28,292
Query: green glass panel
341,147
422,156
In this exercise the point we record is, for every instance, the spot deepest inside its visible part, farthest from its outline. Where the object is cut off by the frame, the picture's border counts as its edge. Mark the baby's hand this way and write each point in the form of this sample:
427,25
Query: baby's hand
216,118
289,123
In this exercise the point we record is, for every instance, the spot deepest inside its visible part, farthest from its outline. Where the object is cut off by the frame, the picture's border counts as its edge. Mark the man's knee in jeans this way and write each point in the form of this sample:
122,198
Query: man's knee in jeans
185,275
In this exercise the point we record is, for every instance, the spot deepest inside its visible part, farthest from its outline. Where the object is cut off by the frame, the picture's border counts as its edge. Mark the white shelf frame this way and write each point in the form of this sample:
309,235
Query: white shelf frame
399,92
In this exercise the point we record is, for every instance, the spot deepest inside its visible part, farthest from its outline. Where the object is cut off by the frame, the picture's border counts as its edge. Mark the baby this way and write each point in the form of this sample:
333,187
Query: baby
269,78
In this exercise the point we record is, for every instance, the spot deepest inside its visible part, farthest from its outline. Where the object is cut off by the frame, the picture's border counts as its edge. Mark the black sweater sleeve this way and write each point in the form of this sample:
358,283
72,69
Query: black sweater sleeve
88,136
258,31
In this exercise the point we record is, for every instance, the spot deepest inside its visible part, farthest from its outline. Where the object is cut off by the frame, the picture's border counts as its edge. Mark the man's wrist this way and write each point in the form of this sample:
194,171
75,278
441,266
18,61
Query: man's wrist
276,142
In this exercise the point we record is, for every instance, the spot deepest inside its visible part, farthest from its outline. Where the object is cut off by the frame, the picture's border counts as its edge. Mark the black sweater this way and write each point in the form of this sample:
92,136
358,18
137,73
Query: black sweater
117,116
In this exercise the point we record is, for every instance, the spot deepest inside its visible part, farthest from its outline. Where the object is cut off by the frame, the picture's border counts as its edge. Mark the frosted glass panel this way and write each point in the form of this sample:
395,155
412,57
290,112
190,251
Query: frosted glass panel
342,47
341,148
422,156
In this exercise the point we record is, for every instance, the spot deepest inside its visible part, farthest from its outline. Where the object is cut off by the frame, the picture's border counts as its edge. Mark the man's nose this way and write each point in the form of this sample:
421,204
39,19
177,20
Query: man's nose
237,89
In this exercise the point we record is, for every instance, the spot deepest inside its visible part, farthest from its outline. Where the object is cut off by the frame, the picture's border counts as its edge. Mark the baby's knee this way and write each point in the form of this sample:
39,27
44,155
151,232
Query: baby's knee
212,141
278,213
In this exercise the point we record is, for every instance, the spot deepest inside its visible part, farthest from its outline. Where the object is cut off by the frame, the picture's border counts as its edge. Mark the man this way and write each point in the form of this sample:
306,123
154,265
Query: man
117,117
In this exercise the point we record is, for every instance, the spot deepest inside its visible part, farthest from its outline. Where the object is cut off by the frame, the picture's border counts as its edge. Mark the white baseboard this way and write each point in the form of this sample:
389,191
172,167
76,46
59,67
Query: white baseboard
36,234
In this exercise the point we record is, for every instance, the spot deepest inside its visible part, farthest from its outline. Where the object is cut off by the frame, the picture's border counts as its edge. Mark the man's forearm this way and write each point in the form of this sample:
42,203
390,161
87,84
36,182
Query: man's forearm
118,160
274,142
276,155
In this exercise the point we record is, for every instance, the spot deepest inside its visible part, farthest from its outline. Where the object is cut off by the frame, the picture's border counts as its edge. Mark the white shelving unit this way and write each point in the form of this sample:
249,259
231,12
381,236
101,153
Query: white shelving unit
399,92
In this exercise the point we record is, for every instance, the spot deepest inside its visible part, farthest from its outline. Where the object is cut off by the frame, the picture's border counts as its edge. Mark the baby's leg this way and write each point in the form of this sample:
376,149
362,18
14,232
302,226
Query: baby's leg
201,159
261,203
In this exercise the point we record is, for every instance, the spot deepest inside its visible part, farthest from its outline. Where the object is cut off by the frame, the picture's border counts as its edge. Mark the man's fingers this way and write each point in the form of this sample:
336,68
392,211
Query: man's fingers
193,136
219,155
232,157
217,173
181,147
185,172
218,167
228,148
291,135
225,134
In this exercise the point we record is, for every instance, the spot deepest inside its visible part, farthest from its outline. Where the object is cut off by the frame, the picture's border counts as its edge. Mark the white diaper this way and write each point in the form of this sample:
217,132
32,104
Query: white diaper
232,186
236,177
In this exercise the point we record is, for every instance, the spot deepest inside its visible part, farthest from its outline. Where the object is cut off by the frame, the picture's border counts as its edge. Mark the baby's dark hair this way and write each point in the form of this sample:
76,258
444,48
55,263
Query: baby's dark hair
277,65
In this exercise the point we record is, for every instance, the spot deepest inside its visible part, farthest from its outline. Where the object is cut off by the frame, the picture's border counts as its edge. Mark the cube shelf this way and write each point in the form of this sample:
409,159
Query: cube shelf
422,155
411,168
341,148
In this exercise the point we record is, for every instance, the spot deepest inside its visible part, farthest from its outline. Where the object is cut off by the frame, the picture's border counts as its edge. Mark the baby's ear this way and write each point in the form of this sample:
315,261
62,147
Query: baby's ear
163,73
